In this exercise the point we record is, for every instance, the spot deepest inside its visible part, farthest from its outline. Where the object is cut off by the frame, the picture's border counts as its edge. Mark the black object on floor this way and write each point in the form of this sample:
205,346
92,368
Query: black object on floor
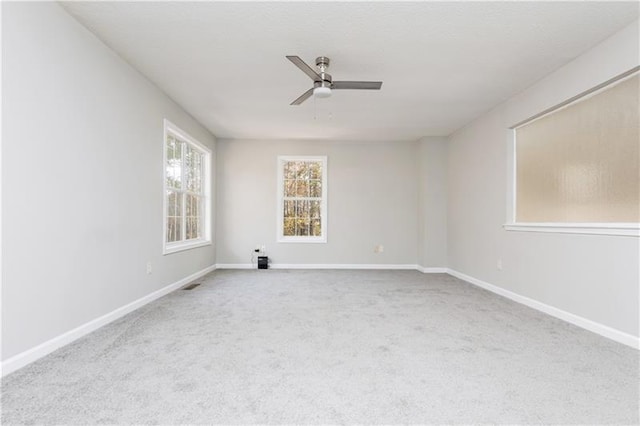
263,262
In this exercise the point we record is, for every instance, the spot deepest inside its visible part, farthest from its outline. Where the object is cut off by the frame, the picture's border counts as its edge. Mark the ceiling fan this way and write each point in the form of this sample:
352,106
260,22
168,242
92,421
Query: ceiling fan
322,82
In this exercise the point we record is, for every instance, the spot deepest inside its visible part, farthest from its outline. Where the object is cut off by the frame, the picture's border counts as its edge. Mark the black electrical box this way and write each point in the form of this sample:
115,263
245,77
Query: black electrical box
263,262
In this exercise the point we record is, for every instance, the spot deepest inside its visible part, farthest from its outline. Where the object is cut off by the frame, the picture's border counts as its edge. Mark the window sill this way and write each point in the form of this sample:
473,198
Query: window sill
174,248
614,229
312,240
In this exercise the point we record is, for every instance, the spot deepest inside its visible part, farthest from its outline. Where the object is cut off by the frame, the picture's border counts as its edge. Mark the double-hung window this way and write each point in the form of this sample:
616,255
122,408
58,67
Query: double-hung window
302,199
187,177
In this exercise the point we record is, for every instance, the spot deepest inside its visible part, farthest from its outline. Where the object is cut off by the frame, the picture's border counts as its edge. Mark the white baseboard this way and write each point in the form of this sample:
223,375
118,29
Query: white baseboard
22,359
236,266
432,270
323,266
340,266
587,324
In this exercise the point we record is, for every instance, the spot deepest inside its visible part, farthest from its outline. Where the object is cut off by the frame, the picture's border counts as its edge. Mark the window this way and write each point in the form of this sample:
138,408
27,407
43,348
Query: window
187,177
302,199
578,165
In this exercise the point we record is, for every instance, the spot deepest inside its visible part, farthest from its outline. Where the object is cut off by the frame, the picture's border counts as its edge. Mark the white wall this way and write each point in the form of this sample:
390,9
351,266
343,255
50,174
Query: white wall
372,199
595,277
81,179
432,202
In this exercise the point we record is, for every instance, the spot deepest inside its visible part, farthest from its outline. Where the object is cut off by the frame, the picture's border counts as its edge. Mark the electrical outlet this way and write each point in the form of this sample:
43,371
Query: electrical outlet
378,249
499,265
263,248
149,268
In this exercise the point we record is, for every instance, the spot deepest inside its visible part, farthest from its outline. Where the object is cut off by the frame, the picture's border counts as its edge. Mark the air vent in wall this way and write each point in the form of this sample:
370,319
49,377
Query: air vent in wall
191,286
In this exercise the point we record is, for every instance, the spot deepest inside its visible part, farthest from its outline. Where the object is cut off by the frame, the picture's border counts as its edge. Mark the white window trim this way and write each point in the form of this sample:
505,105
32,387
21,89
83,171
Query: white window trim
611,229
174,247
280,208
616,229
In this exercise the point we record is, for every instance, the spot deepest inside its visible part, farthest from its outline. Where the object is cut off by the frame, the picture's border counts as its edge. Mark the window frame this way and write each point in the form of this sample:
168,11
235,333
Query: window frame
205,240
280,237
628,229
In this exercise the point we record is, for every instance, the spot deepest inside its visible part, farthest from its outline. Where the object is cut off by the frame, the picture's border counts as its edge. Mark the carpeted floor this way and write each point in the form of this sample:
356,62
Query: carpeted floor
330,347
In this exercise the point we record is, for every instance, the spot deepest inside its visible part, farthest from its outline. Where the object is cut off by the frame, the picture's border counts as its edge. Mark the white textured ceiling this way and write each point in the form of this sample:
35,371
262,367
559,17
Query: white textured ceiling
442,63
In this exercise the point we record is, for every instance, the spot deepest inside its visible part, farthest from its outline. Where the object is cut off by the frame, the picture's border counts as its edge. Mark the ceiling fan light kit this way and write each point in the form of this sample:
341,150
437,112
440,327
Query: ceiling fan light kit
322,92
323,84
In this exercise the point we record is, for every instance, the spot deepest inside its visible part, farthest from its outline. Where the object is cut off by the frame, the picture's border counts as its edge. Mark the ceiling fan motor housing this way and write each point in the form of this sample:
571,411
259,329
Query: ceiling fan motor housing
323,83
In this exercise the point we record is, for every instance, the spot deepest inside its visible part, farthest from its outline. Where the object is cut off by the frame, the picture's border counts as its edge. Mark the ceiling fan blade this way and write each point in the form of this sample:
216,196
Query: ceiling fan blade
357,85
303,97
305,68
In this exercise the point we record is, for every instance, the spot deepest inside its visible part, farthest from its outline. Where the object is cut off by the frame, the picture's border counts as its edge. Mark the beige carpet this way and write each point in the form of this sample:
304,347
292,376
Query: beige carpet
330,347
